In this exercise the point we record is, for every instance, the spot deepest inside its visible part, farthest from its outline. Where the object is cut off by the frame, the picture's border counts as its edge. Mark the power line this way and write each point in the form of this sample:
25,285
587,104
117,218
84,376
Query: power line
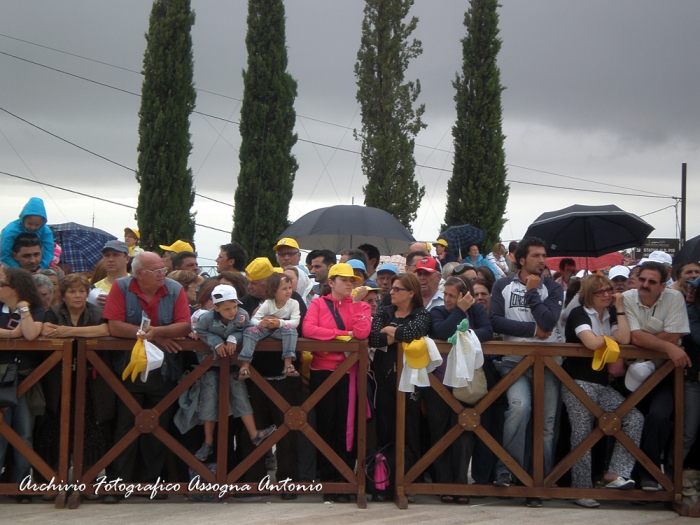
587,180
337,148
93,153
92,196
300,116
589,191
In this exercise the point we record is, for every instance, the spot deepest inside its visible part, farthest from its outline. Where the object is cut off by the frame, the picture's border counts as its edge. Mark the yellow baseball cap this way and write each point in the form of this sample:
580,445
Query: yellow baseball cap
177,247
286,242
259,269
278,269
132,230
343,270
608,353
416,353
441,242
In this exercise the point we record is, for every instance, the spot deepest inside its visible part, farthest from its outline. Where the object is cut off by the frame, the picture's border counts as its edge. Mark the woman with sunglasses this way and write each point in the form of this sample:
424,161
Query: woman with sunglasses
587,324
404,320
21,316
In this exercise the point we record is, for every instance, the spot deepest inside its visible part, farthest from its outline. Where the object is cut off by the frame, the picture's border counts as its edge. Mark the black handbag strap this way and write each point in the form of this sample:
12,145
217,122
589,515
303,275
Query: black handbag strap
336,314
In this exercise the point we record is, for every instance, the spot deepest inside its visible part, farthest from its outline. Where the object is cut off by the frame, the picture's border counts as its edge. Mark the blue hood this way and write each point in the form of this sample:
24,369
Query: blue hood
35,206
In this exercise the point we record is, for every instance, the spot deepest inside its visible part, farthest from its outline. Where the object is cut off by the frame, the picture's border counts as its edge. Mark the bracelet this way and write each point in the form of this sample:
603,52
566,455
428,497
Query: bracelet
24,310
620,313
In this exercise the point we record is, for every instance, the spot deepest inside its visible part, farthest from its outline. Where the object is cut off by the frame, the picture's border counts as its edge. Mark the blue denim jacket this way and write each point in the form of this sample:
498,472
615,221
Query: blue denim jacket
214,331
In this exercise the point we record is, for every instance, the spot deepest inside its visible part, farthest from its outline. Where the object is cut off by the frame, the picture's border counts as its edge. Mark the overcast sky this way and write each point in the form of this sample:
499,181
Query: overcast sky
602,91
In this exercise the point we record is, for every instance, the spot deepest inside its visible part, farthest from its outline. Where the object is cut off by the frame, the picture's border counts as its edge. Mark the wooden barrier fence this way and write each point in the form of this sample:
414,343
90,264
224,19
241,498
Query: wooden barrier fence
61,352
537,484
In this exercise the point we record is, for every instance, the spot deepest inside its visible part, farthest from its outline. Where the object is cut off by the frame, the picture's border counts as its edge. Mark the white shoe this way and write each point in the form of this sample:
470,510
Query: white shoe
621,484
587,503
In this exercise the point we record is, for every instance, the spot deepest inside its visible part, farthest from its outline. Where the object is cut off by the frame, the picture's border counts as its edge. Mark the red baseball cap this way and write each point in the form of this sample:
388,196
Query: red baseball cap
428,264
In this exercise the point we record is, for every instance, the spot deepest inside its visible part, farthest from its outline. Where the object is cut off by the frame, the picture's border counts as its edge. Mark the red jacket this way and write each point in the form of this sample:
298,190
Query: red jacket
319,323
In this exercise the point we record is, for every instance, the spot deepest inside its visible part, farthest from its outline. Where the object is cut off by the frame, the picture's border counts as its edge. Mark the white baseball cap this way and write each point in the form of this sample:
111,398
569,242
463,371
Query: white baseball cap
619,271
637,373
659,257
224,292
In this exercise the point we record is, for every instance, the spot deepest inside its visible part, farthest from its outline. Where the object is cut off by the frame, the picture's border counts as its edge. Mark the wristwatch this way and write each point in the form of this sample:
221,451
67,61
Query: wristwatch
24,310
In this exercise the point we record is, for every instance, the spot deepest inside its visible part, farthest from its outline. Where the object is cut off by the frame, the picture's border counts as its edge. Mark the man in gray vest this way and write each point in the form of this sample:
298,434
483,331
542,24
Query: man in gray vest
163,300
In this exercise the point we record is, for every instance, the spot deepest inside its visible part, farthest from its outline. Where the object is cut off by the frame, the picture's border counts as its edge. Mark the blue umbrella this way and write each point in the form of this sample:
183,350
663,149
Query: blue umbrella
82,245
462,237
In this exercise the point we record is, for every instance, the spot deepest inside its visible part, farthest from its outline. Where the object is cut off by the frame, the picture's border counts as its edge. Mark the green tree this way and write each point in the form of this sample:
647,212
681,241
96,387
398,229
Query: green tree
267,166
167,99
477,192
389,120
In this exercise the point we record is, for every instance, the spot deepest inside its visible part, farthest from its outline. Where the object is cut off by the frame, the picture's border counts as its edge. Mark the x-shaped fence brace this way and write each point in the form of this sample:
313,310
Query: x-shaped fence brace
541,356
61,351
295,417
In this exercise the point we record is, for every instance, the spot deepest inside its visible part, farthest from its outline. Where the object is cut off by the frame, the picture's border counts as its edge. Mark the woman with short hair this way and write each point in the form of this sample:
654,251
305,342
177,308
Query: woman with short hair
600,314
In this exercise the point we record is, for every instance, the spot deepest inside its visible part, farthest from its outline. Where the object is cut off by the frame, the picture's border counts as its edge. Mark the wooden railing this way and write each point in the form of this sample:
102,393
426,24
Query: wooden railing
61,352
537,484
295,418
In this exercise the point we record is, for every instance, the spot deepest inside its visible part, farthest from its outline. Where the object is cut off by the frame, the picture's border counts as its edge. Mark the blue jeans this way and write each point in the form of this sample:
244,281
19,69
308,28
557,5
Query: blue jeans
253,334
22,422
517,415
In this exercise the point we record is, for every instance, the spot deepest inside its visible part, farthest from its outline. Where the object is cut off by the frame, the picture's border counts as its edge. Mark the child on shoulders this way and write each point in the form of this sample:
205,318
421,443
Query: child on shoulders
32,220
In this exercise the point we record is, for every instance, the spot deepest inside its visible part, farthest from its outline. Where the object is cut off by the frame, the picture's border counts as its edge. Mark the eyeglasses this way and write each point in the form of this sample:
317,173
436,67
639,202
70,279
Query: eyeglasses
461,268
652,282
157,271
609,290
282,255
397,289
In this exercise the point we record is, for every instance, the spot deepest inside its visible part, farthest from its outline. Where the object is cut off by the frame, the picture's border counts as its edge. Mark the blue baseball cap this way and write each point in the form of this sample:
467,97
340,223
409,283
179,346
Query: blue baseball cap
388,268
357,265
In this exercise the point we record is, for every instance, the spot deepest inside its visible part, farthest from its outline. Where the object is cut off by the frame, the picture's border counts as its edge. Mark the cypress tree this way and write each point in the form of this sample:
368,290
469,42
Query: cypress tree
477,192
167,99
267,166
389,120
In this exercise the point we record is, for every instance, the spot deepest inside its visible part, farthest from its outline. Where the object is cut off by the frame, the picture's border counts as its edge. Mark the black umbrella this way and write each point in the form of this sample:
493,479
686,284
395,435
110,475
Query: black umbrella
82,245
589,230
462,237
689,253
341,228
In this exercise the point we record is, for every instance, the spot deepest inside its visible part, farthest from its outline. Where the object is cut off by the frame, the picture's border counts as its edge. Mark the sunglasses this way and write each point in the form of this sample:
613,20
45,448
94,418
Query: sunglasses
461,268
397,289
604,291
282,255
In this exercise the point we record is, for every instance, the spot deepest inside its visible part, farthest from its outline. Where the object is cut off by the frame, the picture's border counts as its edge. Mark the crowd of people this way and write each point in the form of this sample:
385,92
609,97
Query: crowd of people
507,295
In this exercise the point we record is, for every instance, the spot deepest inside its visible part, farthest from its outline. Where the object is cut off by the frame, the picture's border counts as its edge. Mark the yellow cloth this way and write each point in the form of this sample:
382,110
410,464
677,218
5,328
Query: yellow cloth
138,362
344,338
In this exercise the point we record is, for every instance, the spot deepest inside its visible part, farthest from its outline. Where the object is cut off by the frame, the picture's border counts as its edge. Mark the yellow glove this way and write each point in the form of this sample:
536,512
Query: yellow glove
138,362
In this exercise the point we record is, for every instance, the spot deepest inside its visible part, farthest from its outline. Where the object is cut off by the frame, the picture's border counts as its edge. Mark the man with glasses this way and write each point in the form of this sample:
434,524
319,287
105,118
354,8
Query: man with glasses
658,319
164,301
287,252
429,279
